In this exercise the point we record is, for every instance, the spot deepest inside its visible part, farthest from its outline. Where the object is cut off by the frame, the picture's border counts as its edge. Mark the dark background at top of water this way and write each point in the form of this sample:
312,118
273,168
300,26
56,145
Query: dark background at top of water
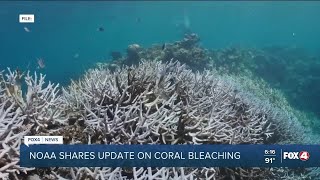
64,29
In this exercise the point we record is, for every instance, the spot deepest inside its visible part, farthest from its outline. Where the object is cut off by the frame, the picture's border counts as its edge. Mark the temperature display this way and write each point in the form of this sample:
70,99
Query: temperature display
269,160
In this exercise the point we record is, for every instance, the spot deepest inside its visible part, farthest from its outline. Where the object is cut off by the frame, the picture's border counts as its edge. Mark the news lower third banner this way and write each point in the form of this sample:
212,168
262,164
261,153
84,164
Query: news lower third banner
49,155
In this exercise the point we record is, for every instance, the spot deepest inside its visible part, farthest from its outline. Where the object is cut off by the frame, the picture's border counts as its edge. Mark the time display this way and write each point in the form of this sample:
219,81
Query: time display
270,152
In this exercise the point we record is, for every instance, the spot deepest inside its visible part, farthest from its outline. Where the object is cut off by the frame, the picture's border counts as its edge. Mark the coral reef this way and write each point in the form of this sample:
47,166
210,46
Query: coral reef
294,72
288,69
233,60
187,51
150,103
133,53
39,109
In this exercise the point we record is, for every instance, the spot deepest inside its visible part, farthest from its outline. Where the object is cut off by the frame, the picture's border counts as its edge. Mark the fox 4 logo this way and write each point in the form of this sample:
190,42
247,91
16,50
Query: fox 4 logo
303,155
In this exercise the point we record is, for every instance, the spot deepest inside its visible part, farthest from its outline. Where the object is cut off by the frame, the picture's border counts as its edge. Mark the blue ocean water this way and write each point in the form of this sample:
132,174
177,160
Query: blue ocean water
65,32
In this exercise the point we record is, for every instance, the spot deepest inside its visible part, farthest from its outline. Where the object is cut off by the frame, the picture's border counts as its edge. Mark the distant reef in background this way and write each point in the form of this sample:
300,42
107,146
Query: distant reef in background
289,71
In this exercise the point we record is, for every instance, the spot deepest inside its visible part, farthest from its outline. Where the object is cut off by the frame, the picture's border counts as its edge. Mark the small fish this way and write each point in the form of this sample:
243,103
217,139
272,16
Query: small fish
26,29
101,29
138,19
163,46
41,64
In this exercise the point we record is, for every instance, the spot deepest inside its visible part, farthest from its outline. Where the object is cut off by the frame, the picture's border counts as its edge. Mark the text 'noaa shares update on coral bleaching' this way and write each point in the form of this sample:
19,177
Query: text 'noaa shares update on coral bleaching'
49,151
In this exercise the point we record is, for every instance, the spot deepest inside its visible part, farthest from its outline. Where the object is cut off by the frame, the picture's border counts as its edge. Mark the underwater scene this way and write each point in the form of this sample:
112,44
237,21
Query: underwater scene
161,72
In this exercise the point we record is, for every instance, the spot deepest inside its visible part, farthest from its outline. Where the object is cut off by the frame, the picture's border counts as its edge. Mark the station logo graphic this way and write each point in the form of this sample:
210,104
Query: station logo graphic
302,155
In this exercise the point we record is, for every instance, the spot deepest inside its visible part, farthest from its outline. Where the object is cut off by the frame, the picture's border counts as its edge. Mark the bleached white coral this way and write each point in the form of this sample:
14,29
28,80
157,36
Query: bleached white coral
156,103
152,103
23,114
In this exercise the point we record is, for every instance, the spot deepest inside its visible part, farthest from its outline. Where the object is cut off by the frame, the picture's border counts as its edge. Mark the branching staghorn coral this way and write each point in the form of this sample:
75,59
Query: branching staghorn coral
156,103
24,114
161,99
152,103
